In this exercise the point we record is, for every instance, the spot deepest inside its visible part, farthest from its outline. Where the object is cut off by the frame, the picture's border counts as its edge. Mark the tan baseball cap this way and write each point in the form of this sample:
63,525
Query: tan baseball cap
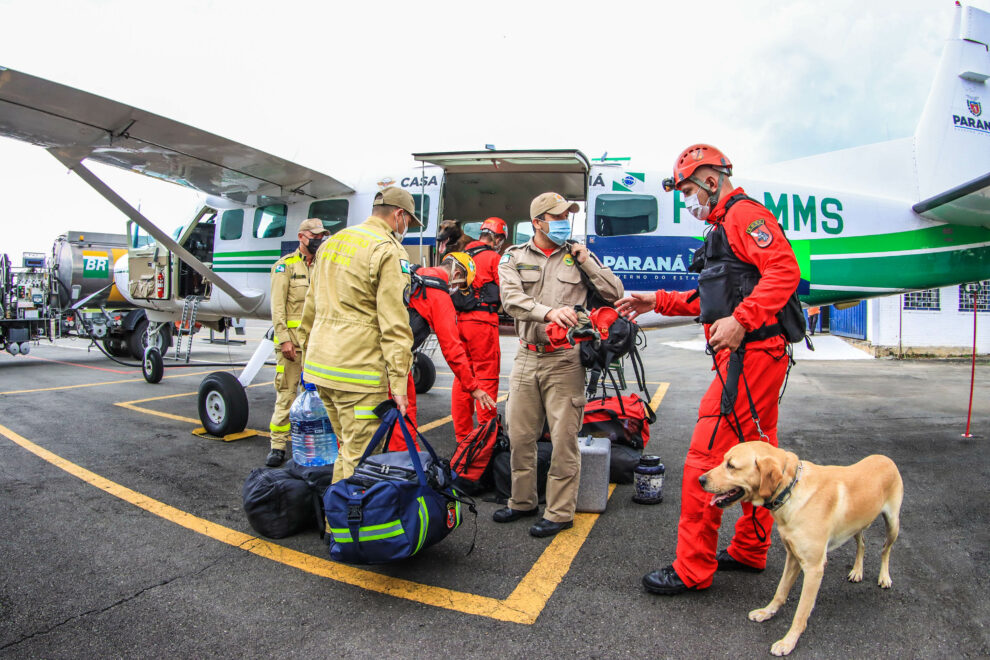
393,196
553,203
313,225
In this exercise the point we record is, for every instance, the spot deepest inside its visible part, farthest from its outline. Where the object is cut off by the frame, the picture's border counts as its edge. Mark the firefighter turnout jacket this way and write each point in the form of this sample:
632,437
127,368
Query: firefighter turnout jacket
290,282
354,324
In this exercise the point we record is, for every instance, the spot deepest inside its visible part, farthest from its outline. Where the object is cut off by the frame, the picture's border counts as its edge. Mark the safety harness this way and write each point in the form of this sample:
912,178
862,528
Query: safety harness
483,299
417,289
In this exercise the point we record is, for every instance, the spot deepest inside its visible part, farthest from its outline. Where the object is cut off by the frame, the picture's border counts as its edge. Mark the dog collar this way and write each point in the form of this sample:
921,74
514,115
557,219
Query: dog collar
785,494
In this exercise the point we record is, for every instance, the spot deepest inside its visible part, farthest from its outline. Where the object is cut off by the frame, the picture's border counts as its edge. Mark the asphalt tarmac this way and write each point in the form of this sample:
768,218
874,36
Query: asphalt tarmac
122,533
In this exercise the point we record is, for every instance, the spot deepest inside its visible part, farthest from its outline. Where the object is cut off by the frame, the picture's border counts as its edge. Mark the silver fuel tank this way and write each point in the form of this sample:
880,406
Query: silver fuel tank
82,263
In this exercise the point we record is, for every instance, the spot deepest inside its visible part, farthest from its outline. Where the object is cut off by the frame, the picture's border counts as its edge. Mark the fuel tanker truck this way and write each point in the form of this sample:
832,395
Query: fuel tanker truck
72,293
83,289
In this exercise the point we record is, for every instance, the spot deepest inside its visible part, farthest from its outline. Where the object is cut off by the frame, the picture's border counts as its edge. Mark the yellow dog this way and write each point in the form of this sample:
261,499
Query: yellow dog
817,508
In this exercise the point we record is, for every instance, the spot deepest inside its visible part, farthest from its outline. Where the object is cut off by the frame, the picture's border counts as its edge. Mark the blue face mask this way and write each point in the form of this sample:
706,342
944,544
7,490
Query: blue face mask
560,231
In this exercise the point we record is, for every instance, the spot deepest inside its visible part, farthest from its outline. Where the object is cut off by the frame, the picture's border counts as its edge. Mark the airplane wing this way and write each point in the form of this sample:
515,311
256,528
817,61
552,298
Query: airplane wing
968,204
71,121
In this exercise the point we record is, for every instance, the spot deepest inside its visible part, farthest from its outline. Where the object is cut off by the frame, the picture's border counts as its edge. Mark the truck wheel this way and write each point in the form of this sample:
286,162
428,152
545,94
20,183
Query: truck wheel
137,340
223,405
116,347
424,373
153,367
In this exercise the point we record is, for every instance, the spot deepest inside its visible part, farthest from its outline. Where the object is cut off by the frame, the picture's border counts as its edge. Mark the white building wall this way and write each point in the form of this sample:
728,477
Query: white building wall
945,330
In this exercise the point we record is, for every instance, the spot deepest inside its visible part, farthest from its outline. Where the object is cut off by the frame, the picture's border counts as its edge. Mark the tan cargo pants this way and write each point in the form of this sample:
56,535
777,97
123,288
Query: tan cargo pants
354,423
546,386
286,388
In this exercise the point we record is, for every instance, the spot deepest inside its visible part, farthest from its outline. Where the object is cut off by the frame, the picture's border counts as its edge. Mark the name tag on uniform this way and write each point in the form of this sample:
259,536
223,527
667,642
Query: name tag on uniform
300,277
527,267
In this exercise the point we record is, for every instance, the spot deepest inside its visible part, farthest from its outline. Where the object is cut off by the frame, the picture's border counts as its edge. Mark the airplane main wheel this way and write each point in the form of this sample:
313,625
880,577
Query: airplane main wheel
223,404
424,373
152,366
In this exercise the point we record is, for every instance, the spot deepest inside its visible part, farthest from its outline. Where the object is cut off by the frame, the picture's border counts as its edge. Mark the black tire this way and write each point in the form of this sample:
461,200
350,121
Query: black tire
424,373
223,404
116,347
137,339
152,366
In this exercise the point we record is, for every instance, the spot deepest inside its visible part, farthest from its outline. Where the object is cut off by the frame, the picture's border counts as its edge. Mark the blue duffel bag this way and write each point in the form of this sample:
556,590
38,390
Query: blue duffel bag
395,504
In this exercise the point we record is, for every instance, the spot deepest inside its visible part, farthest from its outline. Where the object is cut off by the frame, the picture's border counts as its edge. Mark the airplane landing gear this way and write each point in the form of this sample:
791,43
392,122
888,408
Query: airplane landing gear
223,405
153,367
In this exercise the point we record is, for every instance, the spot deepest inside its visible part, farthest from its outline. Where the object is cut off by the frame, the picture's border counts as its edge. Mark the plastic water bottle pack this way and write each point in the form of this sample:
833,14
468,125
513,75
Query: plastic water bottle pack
313,439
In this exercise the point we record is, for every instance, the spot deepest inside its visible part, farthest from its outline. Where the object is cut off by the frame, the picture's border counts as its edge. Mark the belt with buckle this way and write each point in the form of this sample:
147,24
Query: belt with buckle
538,348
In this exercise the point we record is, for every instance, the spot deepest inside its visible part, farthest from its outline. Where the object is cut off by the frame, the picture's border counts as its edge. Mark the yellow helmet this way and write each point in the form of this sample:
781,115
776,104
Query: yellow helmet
464,260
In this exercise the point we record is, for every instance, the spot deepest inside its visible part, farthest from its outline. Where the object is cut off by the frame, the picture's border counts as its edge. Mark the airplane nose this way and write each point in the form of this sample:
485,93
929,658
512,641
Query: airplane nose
702,480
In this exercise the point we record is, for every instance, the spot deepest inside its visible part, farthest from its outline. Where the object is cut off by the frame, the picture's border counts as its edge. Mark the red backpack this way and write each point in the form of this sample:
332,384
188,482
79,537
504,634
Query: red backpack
624,420
472,459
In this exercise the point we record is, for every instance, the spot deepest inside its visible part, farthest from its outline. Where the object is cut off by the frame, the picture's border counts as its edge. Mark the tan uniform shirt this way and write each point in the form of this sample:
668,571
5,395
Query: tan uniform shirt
355,326
290,281
532,284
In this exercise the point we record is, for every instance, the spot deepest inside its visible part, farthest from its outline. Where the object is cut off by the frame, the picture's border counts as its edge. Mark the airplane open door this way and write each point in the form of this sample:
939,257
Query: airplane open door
481,184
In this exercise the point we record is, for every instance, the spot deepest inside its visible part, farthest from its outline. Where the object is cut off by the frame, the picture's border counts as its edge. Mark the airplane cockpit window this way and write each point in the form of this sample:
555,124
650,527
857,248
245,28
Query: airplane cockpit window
331,212
231,225
421,213
622,215
269,221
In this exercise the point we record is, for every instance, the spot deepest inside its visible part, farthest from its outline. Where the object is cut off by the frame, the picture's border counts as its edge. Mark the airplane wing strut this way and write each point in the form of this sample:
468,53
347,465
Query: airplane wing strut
74,163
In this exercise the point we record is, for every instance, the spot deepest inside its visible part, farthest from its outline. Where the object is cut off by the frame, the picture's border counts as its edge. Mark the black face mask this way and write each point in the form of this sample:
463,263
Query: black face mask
314,244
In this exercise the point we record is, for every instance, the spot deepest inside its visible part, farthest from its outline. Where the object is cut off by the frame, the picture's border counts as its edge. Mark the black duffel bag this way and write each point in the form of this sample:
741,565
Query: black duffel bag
282,502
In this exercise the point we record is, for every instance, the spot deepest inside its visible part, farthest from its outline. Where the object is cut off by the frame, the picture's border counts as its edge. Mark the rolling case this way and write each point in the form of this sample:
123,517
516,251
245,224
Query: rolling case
593,488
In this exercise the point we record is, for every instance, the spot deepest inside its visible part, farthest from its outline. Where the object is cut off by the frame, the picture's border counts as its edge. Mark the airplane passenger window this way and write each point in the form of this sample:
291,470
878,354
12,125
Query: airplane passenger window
423,215
269,221
472,229
331,212
523,232
231,224
623,214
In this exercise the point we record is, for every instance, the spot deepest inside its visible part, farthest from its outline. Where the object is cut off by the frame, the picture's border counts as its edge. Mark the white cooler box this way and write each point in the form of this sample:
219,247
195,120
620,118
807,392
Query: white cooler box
593,489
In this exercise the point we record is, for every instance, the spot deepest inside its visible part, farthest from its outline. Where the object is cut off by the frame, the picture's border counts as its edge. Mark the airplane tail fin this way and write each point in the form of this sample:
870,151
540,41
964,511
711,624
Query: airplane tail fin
952,141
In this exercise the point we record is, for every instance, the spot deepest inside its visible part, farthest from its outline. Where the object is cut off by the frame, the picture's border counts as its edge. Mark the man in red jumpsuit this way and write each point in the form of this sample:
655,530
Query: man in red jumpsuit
437,309
477,320
756,247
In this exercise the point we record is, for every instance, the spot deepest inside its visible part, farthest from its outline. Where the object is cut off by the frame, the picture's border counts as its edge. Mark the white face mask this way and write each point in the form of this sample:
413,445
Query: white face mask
696,208
402,234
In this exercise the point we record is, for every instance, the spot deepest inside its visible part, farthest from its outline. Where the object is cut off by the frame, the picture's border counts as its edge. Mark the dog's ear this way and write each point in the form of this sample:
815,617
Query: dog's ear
770,477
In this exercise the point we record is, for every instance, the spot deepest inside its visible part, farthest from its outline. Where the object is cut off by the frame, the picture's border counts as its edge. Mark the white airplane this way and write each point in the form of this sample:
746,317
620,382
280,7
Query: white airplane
902,215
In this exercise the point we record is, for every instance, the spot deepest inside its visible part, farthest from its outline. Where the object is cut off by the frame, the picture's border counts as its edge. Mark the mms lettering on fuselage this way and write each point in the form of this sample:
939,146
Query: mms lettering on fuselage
662,260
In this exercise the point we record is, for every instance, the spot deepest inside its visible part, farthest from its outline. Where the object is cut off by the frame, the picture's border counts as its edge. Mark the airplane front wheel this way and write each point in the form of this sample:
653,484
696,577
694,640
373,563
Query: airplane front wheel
223,404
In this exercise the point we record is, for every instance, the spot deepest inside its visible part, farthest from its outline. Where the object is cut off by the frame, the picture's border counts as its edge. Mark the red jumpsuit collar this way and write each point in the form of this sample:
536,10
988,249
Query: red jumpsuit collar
718,213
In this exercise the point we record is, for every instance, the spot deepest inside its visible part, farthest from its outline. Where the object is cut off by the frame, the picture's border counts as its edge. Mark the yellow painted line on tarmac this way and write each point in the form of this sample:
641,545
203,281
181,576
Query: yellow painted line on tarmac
523,605
131,405
449,418
658,395
101,383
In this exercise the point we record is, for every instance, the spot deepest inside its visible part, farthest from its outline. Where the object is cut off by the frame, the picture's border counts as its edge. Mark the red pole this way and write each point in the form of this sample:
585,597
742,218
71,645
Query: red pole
972,374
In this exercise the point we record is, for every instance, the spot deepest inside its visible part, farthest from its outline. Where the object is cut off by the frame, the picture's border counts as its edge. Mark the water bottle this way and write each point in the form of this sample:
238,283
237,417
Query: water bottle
313,441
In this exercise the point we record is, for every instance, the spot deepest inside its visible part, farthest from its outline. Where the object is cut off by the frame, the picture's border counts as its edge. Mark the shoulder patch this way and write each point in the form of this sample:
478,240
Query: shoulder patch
405,265
280,268
758,231
504,259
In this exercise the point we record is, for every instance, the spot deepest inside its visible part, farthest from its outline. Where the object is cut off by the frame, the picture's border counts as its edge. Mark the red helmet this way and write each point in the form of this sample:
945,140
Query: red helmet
494,225
694,157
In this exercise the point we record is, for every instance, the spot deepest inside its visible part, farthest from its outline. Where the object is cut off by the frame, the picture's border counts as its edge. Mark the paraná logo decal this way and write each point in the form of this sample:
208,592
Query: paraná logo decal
975,108
628,180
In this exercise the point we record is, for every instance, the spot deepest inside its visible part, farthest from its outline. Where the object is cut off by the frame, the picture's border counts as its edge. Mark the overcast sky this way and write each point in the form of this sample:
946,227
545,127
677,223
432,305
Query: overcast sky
353,88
